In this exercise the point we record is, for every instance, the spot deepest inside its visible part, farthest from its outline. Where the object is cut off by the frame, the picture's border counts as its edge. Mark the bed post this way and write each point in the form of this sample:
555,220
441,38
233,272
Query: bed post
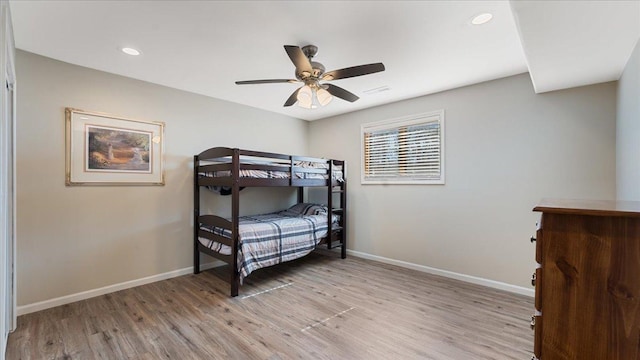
235,214
343,204
330,205
196,216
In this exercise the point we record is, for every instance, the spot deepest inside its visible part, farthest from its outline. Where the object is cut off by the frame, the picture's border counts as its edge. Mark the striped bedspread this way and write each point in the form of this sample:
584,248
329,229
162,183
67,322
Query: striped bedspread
270,239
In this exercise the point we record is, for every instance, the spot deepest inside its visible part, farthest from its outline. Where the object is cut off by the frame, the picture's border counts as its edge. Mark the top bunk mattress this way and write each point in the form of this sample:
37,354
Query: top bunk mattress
218,163
336,174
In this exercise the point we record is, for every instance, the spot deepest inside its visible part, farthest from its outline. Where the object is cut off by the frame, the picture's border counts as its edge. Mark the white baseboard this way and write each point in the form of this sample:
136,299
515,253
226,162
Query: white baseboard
46,304
450,274
42,305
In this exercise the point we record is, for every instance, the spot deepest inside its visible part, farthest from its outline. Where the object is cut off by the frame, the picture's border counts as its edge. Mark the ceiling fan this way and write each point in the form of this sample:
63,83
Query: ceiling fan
311,73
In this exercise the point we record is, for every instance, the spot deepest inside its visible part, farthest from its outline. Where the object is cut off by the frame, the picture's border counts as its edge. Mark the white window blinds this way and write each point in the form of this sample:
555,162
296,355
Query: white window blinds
407,150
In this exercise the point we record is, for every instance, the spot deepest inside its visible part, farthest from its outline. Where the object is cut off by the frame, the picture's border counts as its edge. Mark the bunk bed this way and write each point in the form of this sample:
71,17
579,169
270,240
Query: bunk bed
250,242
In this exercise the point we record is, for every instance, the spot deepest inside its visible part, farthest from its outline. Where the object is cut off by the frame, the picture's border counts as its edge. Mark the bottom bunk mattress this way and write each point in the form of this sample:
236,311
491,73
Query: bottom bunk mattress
270,239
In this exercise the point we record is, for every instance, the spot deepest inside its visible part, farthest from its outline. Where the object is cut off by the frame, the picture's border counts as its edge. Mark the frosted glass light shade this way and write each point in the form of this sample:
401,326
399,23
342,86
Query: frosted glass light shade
324,97
305,97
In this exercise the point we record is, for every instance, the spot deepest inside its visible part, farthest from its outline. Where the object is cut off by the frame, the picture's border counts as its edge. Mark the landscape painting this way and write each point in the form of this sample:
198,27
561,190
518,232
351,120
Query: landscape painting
113,149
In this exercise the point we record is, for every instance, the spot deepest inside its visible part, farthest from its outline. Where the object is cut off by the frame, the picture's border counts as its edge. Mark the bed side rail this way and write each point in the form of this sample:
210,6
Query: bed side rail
215,237
305,167
217,221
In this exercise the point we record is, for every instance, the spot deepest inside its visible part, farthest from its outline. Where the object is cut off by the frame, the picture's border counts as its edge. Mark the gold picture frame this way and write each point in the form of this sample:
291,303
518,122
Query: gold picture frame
103,149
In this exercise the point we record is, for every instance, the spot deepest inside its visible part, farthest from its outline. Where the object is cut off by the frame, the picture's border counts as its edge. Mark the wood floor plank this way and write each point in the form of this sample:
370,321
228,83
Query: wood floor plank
318,307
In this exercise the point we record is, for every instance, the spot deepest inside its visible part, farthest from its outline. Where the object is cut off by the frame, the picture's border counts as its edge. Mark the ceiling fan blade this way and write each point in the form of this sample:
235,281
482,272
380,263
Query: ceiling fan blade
268,81
293,98
298,58
353,71
340,92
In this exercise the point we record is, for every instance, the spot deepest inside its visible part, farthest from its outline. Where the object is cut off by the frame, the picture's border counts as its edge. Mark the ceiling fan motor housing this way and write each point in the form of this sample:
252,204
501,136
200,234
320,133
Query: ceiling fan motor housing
317,68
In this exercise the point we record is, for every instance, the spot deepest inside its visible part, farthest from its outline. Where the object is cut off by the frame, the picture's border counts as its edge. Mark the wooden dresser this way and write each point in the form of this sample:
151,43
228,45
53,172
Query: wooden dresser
587,284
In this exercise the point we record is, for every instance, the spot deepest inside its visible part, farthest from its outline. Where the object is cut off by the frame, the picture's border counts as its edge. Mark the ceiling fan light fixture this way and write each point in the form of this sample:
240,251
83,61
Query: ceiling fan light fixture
305,97
313,94
323,96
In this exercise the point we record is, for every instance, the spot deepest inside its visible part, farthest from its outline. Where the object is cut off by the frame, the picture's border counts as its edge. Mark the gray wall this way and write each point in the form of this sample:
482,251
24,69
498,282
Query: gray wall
628,130
506,148
74,239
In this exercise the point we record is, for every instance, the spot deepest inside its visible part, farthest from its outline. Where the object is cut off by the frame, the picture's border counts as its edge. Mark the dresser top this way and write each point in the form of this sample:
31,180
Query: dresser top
590,207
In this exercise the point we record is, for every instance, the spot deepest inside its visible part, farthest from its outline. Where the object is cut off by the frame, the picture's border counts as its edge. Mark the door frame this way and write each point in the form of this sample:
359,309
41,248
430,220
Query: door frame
8,314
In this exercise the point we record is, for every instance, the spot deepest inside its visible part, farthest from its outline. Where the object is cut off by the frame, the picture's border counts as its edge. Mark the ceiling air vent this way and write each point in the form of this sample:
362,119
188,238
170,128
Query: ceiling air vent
376,90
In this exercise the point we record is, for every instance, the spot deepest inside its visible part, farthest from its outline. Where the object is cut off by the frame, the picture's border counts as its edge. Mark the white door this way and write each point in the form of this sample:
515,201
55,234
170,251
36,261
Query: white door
9,217
7,176
6,148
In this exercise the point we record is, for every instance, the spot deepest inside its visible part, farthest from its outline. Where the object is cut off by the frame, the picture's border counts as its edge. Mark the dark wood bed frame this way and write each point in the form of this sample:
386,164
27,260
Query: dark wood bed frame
202,163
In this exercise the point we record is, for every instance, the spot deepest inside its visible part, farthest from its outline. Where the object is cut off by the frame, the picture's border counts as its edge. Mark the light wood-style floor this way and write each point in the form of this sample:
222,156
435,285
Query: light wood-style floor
318,307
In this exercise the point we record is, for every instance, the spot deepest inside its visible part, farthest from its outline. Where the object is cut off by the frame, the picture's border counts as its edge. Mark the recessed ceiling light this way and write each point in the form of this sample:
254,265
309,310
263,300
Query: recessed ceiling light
130,51
481,19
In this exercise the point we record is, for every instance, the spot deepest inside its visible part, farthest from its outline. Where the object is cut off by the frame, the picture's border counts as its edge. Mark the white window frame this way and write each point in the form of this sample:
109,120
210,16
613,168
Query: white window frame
433,116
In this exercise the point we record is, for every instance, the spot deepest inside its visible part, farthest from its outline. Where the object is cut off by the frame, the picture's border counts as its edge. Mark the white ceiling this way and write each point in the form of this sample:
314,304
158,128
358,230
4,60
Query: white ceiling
429,46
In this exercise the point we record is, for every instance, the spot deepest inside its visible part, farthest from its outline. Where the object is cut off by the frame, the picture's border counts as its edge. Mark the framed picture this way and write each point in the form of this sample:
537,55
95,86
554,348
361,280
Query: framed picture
108,150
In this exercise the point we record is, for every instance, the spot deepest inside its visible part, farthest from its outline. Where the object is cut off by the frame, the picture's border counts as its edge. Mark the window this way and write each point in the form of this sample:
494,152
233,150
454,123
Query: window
408,150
